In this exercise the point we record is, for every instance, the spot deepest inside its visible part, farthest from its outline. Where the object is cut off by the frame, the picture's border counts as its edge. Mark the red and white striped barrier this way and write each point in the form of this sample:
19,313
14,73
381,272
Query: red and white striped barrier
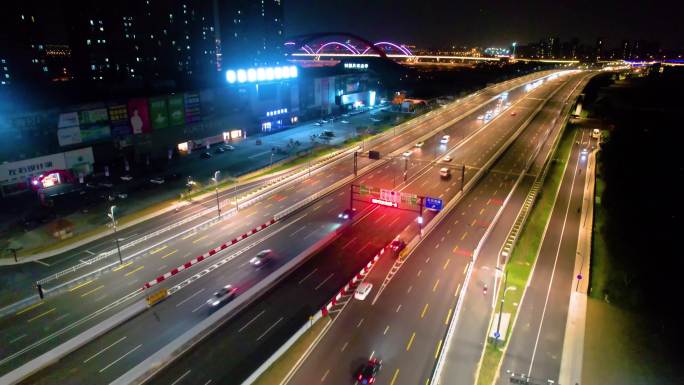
206,255
349,287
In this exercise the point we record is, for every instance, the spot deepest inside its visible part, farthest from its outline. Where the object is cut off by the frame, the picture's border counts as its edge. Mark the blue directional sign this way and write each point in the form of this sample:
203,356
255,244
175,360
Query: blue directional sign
497,335
433,203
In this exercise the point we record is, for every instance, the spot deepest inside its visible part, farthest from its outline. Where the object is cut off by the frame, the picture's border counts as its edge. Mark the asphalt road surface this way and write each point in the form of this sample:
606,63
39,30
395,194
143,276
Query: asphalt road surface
536,344
36,329
404,324
251,336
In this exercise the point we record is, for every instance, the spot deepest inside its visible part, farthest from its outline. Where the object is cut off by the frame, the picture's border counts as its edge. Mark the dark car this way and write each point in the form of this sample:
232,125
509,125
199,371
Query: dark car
226,294
397,245
205,155
368,371
347,214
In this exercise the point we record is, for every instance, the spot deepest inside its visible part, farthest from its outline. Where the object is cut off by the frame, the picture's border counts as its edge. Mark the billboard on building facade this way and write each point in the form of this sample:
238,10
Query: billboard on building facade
192,107
138,116
176,110
118,119
92,116
68,119
68,136
95,132
159,113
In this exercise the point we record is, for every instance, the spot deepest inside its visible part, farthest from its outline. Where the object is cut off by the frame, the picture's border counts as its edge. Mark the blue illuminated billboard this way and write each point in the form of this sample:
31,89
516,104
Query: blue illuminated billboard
261,74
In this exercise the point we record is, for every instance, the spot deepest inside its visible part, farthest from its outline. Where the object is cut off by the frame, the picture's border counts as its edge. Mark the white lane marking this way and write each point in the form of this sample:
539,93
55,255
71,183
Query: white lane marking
310,234
189,298
250,321
360,322
17,339
298,230
307,276
89,252
120,358
103,350
324,281
348,243
269,328
181,377
42,263
61,317
344,346
258,154
325,375
198,307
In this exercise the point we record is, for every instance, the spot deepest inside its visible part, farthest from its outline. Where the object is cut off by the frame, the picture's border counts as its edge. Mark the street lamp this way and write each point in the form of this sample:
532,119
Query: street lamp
116,237
217,176
503,297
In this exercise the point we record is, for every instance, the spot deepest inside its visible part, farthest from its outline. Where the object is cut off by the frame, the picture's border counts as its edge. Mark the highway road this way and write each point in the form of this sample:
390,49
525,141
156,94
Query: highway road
404,325
35,329
288,306
536,343
462,360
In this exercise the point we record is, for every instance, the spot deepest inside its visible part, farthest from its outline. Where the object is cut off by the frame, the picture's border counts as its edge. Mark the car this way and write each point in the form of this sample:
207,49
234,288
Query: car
406,154
106,184
585,151
444,173
507,105
445,139
376,120
345,115
316,124
480,117
397,245
261,258
126,178
347,213
121,195
157,180
323,121
328,133
228,147
205,155
344,121
225,294
513,113
419,144
369,371
447,159
363,290
219,150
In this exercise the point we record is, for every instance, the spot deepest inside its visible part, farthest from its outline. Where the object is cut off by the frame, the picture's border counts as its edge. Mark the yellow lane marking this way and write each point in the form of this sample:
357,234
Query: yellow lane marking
81,285
134,270
434,288
422,315
439,346
158,250
92,291
474,222
122,266
408,347
394,378
169,254
189,236
465,268
481,211
457,290
447,263
35,305
200,238
446,321
42,314
464,235
268,205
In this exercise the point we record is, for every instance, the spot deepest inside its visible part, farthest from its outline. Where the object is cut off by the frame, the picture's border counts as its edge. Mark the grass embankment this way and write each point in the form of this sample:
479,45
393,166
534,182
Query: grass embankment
275,374
525,252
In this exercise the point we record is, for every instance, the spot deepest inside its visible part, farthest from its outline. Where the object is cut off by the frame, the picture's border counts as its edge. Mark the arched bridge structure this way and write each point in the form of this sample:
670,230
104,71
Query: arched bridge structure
326,43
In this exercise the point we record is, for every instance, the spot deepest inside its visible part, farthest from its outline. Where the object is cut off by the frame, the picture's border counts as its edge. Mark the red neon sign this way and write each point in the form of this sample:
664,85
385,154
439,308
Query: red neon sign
384,203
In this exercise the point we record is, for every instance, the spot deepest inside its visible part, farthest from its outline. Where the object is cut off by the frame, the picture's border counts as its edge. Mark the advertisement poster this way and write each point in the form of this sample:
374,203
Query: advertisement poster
93,116
192,107
159,113
138,116
68,136
118,117
69,119
95,133
176,110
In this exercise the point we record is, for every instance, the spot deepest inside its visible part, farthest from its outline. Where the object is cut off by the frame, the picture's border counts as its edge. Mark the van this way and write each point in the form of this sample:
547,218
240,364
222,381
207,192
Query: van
444,173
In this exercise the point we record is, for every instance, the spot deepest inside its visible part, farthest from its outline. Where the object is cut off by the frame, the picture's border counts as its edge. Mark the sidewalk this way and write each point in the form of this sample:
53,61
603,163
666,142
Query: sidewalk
573,342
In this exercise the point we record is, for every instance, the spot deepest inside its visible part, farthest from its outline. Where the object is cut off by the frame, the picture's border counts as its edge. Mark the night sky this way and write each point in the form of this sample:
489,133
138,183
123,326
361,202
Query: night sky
439,23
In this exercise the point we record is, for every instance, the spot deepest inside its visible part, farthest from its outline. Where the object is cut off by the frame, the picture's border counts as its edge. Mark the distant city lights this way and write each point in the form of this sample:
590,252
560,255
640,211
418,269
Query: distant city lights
253,75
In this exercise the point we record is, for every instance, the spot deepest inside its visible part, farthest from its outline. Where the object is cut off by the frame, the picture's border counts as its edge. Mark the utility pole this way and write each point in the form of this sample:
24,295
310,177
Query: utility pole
462,176
356,164
116,237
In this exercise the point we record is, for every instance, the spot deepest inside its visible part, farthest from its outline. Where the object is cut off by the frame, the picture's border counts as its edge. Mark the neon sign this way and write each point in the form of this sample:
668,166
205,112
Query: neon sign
261,74
384,203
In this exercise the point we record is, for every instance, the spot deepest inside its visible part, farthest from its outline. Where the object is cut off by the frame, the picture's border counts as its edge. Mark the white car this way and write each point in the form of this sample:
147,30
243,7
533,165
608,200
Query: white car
375,120
227,293
406,154
480,117
261,258
447,159
445,139
419,144
228,147
345,121
157,180
363,290
317,124
126,178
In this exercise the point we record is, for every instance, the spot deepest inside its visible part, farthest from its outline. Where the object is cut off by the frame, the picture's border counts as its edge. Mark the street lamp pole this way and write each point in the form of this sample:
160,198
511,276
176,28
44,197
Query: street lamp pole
216,177
116,237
